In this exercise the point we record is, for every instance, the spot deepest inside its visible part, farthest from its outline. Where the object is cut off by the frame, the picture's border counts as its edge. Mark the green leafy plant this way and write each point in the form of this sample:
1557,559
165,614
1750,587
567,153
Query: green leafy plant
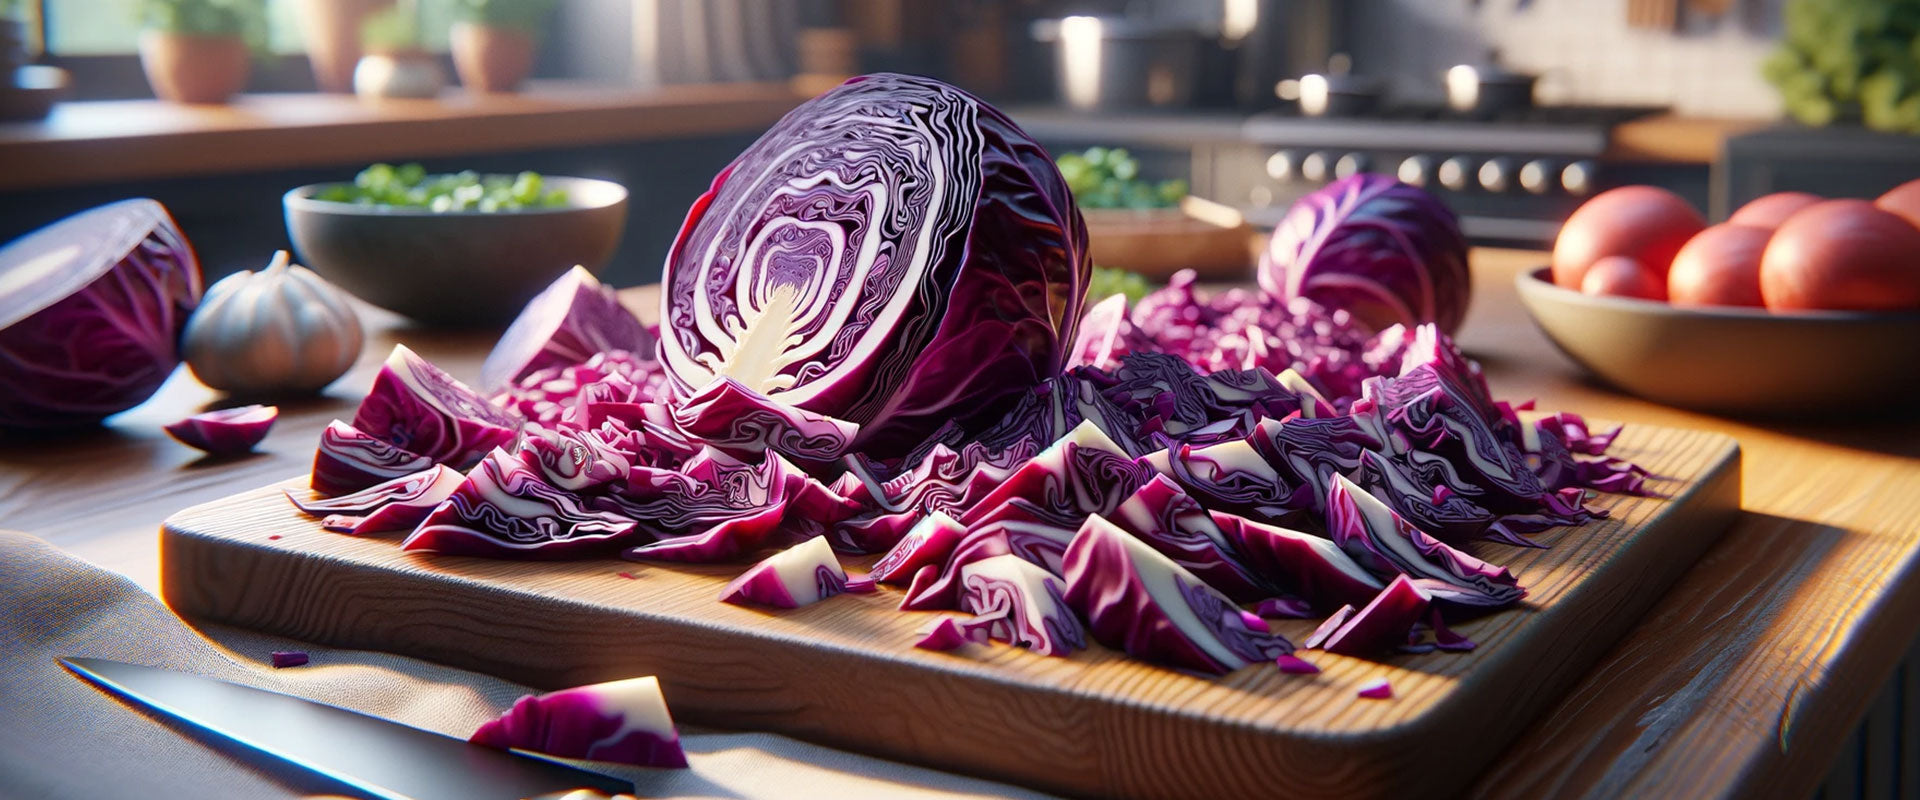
391,30
246,19
1104,177
12,9
409,186
1842,60
526,15
1109,282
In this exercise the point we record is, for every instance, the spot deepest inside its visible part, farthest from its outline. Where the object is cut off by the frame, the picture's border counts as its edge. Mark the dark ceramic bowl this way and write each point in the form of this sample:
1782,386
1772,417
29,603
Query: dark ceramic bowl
459,269
1740,361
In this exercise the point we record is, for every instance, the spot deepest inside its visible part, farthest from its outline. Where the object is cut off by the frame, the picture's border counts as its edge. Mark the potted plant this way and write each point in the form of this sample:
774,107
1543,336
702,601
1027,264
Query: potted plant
396,63
199,51
332,33
493,41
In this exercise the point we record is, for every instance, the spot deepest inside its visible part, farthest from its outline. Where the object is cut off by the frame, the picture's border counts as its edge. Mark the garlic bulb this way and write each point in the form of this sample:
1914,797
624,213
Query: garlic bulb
280,331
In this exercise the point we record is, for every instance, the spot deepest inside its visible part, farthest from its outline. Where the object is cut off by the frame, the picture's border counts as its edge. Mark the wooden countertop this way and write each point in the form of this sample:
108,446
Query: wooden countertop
1742,682
119,140
1670,139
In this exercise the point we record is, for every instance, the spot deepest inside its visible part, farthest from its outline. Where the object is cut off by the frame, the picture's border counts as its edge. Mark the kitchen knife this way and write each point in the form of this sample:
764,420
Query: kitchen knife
383,758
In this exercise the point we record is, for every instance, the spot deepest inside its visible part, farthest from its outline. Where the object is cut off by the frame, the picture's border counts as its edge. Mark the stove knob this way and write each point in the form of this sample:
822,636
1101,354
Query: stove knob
1283,166
1456,173
1416,170
1351,164
1496,175
1316,167
1539,176
1579,178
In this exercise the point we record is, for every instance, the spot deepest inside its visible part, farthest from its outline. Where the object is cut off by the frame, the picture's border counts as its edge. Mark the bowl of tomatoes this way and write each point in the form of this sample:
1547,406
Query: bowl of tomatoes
1796,305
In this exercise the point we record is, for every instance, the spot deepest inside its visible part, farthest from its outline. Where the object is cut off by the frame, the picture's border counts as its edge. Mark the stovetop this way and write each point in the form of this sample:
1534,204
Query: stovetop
1569,131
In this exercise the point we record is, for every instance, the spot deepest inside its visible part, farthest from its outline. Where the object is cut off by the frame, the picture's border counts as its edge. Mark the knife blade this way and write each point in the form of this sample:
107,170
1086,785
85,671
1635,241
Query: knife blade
381,757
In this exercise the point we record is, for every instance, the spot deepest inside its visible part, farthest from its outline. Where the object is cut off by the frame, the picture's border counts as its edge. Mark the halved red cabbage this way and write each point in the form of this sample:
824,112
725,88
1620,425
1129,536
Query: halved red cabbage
227,431
91,310
504,510
1376,689
404,509
929,542
570,321
894,253
1026,604
1136,600
623,722
727,415
1386,544
1385,251
410,486
1311,568
1173,523
350,460
416,407
803,574
1383,624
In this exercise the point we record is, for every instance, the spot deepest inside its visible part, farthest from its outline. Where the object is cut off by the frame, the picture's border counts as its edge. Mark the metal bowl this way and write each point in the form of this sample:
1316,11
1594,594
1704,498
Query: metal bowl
456,269
1738,361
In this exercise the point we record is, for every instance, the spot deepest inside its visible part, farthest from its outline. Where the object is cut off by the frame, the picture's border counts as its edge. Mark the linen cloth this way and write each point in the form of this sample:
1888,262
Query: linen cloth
61,737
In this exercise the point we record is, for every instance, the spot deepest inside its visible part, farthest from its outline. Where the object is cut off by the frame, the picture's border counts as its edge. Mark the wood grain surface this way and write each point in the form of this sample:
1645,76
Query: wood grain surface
842,672
1744,681
113,141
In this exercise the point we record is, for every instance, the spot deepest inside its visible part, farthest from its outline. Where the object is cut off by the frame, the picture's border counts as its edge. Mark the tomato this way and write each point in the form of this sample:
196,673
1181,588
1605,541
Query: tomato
1645,223
1719,266
1768,211
1842,255
1903,200
1622,276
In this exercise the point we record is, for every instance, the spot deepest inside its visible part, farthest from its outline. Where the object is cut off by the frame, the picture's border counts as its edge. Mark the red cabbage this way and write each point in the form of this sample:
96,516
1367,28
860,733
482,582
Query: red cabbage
1136,600
1231,476
1283,607
228,431
1017,527
894,253
1376,689
1327,627
1295,665
288,658
504,510
1383,624
1308,567
729,416
928,542
622,722
948,633
578,459
416,407
91,310
1083,473
1389,253
1173,523
1025,603
411,486
544,396
803,574
350,460
401,507
1386,544
572,320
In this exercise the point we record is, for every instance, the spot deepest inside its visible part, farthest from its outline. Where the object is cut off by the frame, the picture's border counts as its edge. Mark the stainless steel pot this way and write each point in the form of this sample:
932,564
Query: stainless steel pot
1487,90
1115,62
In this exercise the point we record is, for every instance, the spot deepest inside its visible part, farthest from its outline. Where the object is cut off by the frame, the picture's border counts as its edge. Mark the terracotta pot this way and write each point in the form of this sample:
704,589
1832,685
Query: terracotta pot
332,29
188,68
491,59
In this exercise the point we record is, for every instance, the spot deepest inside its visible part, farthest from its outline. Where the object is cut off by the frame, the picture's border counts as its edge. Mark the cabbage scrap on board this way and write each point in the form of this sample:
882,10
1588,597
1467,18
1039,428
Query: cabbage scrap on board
874,343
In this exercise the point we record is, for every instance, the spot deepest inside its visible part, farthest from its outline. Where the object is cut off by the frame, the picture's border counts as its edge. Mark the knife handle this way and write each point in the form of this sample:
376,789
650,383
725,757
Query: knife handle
582,794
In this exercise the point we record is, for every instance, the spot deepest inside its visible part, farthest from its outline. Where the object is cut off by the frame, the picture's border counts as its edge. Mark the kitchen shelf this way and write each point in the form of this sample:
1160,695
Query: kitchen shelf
97,142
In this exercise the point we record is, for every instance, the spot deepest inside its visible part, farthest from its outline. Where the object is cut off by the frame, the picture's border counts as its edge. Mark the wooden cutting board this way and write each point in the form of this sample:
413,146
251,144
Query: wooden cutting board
843,672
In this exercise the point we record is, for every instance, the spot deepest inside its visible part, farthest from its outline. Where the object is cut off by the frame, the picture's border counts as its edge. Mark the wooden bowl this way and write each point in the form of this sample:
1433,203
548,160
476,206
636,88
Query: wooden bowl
456,269
1161,241
1739,361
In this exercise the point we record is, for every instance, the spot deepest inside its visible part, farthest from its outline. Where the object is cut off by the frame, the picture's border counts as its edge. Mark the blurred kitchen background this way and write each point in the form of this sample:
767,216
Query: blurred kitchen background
1512,110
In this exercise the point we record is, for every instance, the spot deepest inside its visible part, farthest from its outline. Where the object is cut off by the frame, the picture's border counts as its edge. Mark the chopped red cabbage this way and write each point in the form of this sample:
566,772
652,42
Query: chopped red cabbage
416,407
411,486
350,460
1173,523
1295,665
505,509
1386,544
228,431
1025,602
1383,624
288,658
622,722
929,542
1376,689
727,415
803,574
572,320
1304,566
